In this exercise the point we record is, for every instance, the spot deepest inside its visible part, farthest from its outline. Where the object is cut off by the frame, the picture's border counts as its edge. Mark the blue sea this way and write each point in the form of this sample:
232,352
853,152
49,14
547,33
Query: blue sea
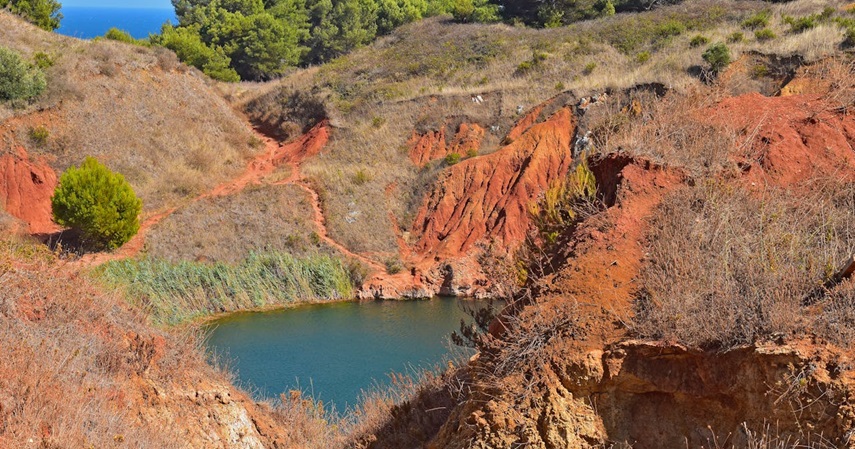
89,22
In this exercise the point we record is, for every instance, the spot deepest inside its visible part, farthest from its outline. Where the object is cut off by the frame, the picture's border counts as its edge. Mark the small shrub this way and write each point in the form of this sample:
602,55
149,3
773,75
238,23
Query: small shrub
452,158
698,41
670,28
19,81
765,34
759,20
98,203
393,265
642,57
717,56
377,122
115,34
564,203
559,86
472,152
361,177
589,68
801,24
759,71
736,37
43,60
39,134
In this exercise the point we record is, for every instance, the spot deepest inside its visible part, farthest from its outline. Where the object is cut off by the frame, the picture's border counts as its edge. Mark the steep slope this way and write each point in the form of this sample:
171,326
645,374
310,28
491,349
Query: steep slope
568,373
164,127
74,354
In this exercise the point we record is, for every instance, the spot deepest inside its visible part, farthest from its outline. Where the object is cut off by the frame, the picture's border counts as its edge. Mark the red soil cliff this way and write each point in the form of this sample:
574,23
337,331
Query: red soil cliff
487,197
25,190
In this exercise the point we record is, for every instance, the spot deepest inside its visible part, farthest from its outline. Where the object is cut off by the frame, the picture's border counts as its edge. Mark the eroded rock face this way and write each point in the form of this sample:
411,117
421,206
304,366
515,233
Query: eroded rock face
434,144
26,187
487,197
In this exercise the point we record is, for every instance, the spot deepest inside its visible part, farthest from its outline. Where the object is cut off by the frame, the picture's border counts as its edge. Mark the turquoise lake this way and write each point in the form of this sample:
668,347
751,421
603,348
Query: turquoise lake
335,351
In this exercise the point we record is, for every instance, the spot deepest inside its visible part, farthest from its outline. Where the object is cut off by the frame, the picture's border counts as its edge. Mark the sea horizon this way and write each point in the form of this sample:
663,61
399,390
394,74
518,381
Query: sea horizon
87,22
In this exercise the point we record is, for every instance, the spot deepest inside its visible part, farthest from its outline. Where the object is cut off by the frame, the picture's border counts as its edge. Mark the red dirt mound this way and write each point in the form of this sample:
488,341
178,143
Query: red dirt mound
796,137
433,145
25,190
487,197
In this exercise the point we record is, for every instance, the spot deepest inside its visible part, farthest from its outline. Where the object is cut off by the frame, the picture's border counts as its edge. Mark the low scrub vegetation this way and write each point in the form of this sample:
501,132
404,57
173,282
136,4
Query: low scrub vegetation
20,81
178,292
728,267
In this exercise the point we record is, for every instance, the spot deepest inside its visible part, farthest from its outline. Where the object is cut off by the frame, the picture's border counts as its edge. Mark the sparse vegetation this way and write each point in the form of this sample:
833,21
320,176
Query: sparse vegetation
564,204
39,134
452,159
728,268
393,265
758,20
98,203
698,41
765,34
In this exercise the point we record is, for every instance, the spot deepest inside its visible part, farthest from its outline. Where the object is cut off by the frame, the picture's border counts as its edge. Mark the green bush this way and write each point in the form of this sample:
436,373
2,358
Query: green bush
642,57
115,34
190,49
698,40
43,13
759,20
19,81
39,134
98,203
452,158
475,11
717,56
765,34
42,60
736,37
801,24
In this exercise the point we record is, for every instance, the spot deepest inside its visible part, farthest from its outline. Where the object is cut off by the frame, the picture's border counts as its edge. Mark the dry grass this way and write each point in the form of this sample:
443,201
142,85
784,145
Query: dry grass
133,108
227,229
423,75
669,131
728,267
67,360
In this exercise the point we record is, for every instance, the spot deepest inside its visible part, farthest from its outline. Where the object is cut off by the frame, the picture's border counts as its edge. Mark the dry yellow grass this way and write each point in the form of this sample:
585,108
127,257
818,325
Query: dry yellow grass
160,124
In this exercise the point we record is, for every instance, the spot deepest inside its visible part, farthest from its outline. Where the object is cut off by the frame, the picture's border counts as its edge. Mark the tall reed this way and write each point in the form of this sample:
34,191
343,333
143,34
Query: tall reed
177,292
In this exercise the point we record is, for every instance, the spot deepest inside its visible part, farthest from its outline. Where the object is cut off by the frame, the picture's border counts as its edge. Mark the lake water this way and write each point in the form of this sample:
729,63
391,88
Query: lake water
334,351
89,22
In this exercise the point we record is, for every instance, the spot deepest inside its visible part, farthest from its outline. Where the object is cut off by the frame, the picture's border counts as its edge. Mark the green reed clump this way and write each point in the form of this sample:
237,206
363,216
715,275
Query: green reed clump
177,292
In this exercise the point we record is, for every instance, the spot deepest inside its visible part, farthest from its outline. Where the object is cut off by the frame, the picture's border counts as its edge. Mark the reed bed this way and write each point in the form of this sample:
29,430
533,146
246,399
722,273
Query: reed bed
177,292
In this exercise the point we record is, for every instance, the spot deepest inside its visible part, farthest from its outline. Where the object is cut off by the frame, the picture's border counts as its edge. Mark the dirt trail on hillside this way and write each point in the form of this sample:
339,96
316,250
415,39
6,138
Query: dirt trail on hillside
275,156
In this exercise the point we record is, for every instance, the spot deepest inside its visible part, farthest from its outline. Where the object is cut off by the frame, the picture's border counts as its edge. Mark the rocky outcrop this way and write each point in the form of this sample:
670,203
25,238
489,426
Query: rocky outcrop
26,187
487,197
435,145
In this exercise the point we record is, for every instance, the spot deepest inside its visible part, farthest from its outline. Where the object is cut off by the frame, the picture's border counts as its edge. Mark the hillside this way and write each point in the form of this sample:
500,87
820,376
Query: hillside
667,227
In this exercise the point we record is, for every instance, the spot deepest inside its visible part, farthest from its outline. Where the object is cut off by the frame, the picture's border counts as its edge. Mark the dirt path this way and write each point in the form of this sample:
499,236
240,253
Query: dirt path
320,222
275,156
